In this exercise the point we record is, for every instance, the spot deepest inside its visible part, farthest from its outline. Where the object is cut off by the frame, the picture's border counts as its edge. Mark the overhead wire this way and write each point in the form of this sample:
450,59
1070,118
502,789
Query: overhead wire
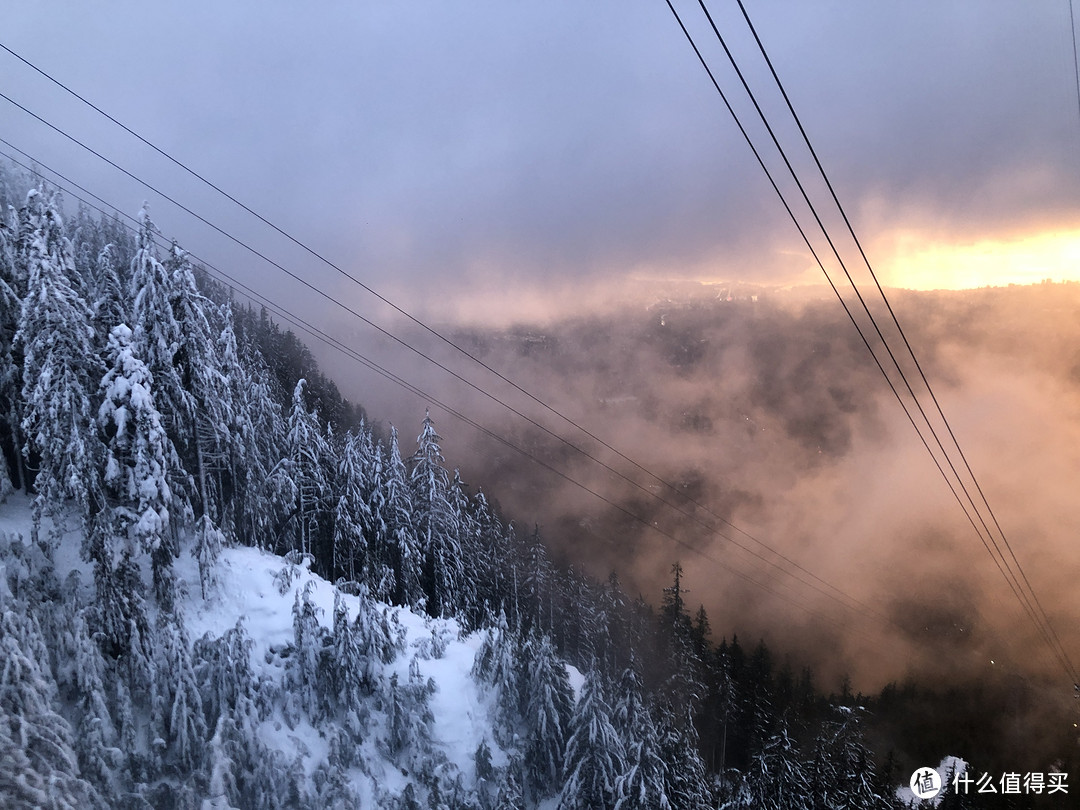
1030,591
352,353
668,485
1030,604
907,344
834,592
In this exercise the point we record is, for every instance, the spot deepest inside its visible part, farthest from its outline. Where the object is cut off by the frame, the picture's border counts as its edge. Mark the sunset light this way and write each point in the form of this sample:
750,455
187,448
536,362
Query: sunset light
917,265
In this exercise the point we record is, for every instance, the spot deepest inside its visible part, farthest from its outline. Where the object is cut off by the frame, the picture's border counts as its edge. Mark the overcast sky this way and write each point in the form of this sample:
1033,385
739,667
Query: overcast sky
444,146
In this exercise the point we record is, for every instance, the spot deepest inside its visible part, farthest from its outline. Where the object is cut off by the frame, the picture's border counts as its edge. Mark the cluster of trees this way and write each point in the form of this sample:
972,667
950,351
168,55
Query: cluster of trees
139,401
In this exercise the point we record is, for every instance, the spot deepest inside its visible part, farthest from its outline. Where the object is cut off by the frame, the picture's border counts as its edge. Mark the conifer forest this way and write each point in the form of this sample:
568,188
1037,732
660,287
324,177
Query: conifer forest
223,585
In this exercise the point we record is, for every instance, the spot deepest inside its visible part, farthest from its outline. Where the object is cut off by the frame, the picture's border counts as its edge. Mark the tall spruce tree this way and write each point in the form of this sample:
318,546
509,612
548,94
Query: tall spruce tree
60,369
594,752
434,519
547,709
353,521
138,460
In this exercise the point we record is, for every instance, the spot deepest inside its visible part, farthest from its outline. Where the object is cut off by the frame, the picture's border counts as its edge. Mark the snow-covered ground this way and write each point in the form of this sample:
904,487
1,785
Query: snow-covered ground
259,590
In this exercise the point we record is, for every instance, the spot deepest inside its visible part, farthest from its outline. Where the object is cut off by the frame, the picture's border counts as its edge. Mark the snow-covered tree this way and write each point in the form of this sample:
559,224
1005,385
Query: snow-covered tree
548,705
684,773
434,521
60,368
641,785
497,664
260,498
111,299
177,704
594,753
307,691
302,467
396,547
138,457
38,763
10,358
353,670
777,778
353,521
156,335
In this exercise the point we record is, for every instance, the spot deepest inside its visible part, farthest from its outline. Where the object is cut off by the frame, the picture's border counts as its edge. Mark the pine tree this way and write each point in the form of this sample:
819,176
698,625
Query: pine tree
496,664
353,670
110,307
353,521
684,772
261,497
548,704
177,702
304,662
594,753
303,470
10,362
38,764
96,738
537,584
642,785
777,778
442,573
396,544
156,336
60,368
138,458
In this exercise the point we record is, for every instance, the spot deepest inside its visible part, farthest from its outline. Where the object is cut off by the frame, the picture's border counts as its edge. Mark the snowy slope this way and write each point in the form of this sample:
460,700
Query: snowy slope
258,590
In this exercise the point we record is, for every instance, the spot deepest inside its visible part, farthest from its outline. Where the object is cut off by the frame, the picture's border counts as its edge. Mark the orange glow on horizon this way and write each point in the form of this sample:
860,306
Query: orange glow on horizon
914,263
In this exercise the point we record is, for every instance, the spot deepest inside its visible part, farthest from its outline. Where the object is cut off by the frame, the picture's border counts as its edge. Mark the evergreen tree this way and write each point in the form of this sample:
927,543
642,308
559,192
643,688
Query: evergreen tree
138,459
305,661
684,772
537,584
96,739
260,497
548,704
38,763
60,368
353,521
177,704
10,362
306,449
442,573
157,337
353,669
497,664
396,539
594,753
642,784
777,778
110,302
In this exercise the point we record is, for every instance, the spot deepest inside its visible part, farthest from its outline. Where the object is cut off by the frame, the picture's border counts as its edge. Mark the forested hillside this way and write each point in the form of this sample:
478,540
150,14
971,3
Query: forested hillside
153,427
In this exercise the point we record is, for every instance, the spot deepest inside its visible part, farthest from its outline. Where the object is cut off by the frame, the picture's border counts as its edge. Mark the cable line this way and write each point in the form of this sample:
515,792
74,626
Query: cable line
477,388
1042,625
672,487
1003,570
329,340
900,330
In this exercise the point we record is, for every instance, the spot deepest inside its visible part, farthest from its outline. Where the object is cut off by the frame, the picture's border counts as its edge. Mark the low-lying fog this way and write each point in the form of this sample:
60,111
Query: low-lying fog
765,411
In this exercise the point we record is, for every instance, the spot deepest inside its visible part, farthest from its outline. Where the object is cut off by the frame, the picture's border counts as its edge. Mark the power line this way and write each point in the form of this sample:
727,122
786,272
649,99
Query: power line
1076,57
1033,610
1056,641
672,487
329,340
712,529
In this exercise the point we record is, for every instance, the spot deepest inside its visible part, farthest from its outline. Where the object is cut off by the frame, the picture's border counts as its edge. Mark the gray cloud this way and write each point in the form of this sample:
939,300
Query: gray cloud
462,143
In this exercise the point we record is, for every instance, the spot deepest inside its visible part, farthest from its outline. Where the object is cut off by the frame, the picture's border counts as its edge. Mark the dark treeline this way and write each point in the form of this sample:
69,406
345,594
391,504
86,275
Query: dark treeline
143,405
